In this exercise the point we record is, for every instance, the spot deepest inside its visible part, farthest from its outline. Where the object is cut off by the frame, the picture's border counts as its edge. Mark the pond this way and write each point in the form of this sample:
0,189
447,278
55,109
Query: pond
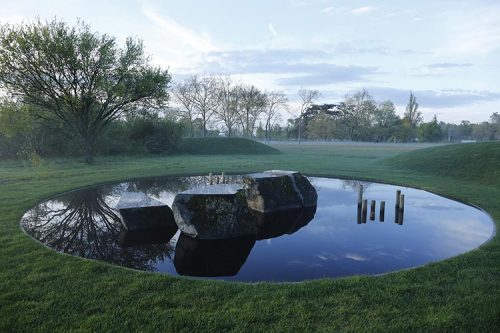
323,242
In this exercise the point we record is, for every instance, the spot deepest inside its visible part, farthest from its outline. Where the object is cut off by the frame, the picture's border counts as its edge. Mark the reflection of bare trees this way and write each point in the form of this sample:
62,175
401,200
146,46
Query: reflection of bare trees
354,184
83,224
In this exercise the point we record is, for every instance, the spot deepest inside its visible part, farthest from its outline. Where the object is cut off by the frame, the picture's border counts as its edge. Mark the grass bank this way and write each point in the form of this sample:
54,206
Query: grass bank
41,290
225,146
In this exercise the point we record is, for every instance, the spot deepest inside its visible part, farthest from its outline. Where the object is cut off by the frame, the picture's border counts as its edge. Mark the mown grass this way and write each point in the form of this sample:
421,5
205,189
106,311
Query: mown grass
41,290
225,146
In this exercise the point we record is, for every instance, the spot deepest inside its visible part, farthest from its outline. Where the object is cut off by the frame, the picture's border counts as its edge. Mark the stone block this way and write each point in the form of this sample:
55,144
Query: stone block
213,212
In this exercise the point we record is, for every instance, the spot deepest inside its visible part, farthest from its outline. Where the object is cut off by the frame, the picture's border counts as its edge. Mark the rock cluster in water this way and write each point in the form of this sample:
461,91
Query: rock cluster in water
233,210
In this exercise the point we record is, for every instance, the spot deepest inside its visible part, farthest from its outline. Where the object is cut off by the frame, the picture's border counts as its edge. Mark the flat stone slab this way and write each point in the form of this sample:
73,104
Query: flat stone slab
275,190
139,212
213,212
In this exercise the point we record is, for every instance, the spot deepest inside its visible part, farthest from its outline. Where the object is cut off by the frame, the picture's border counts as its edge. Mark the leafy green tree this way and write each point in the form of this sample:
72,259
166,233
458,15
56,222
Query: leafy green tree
412,118
465,129
78,76
321,127
386,121
430,132
357,114
495,122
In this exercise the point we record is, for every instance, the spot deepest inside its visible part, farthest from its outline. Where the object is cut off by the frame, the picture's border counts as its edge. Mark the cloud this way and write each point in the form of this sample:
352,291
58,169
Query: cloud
328,10
363,10
323,74
435,98
273,31
442,65
291,67
476,31
179,34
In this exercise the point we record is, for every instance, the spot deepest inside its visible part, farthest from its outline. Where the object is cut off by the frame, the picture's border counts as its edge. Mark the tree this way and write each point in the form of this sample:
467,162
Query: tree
252,104
322,127
227,112
307,98
357,113
206,97
484,131
411,119
430,132
465,129
385,120
184,95
78,76
495,122
275,102
412,114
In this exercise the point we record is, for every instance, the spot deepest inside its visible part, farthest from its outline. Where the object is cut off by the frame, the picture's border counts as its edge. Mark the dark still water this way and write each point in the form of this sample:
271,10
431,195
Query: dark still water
327,242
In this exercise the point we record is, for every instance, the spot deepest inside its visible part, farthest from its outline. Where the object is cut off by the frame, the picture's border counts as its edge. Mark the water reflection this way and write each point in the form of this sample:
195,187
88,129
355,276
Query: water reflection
325,241
211,258
83,224
276,224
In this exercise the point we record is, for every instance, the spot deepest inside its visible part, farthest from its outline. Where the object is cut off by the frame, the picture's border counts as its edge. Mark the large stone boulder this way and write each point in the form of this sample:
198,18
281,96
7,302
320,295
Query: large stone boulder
139,212
213,212
211,257
276,190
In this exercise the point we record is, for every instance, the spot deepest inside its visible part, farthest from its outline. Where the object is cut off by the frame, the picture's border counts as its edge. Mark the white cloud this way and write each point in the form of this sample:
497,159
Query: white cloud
328,10
179,34
363,10
474,32
273,31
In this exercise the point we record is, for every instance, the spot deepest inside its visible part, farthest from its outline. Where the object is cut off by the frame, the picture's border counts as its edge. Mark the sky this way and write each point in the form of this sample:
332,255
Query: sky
447,52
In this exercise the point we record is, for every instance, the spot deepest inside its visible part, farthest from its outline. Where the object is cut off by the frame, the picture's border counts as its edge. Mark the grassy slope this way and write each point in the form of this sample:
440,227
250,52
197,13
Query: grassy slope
41,290
225,146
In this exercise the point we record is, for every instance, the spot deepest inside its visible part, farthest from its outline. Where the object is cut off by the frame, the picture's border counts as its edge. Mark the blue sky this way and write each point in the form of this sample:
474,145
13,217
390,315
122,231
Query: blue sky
446,51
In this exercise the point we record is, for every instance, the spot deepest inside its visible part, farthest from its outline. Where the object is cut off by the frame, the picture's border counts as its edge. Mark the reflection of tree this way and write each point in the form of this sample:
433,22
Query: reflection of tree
354,184
83,224
154,187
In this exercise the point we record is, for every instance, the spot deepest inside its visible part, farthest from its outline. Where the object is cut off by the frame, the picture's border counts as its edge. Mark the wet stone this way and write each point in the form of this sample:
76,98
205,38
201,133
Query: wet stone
276,190
139,212
213,212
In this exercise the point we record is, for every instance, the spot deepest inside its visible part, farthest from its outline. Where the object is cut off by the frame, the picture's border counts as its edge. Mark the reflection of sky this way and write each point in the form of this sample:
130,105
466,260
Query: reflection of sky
333,244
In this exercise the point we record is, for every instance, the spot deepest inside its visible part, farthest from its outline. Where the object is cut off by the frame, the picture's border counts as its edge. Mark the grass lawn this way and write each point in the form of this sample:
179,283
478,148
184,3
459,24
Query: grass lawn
41,290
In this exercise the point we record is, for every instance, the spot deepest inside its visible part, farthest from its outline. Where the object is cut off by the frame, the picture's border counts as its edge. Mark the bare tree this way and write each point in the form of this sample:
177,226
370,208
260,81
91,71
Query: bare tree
206,97
227,112
184,95
275,103
252,104
307,98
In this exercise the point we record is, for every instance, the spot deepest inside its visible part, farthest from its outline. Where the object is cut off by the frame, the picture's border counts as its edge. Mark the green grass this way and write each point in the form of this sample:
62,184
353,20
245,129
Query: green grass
225,146
41,290
478,162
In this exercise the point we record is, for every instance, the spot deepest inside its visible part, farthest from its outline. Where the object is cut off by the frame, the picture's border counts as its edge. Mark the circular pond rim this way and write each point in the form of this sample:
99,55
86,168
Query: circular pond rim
190,278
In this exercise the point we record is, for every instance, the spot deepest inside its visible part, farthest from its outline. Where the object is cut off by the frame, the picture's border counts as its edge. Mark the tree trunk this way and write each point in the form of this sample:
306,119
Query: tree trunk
89,151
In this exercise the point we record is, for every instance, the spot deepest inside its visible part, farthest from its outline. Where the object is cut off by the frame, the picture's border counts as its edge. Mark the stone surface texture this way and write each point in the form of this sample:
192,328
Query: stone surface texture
139,212
215,213
276,190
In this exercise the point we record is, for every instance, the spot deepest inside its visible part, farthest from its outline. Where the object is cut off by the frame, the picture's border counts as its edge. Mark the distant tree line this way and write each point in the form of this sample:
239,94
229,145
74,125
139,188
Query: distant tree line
69,91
